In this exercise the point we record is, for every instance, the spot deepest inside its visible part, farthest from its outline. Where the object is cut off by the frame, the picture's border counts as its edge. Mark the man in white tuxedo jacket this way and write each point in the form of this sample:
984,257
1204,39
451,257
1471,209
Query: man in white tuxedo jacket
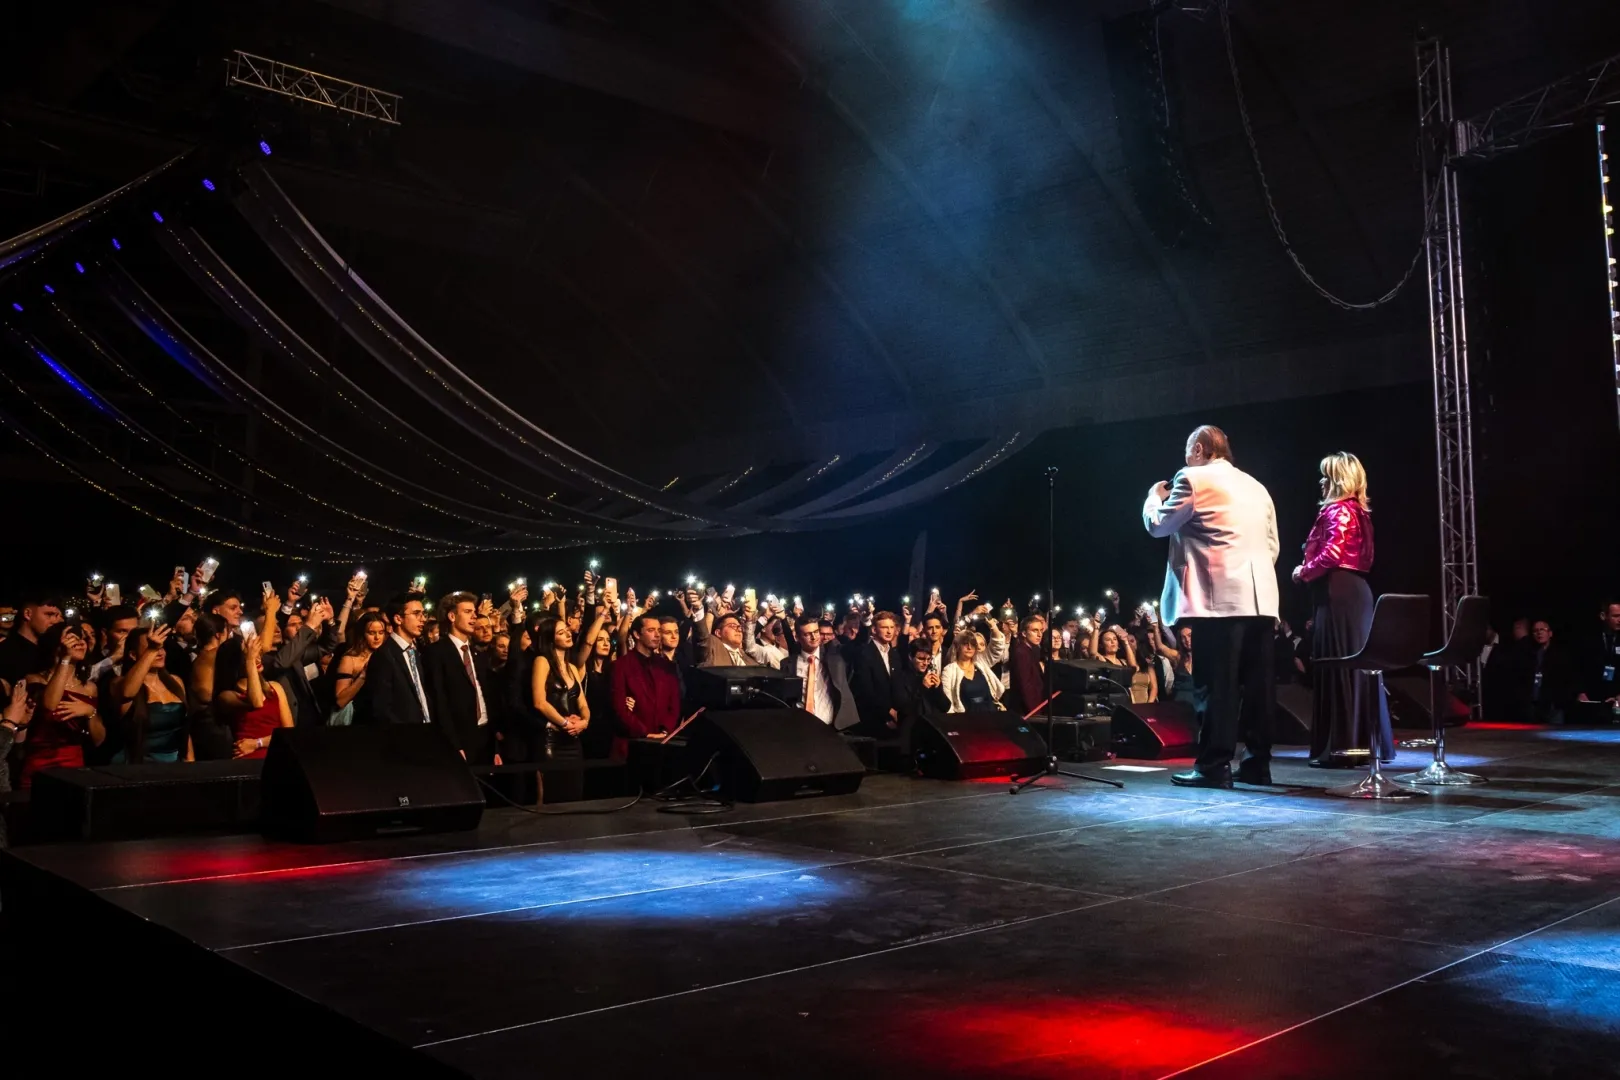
1222,582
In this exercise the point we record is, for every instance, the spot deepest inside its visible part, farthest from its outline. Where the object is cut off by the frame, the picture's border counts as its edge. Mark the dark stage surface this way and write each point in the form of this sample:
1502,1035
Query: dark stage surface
930,929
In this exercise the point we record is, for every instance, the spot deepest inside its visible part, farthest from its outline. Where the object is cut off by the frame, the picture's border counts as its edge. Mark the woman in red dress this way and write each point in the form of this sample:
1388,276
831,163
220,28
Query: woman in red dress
245,699
66,720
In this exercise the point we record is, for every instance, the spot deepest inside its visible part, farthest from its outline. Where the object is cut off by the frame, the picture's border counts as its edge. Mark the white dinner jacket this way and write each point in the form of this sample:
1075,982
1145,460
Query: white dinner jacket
1223,543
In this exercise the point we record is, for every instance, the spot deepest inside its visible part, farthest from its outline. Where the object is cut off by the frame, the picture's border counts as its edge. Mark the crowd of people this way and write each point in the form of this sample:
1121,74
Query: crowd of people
205,671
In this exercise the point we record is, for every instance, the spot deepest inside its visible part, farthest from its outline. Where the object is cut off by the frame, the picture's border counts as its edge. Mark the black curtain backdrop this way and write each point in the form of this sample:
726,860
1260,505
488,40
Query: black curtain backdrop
988,535
1548,444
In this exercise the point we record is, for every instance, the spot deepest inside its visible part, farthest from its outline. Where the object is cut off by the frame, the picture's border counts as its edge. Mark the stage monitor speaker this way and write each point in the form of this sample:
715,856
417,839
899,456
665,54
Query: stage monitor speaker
1162,730
341,783
1291,718
742,688
1076,677
134,802
966,746
768,754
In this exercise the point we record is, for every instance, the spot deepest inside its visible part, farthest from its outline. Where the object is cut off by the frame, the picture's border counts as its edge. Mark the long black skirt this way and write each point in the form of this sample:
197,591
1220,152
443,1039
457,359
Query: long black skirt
1344,706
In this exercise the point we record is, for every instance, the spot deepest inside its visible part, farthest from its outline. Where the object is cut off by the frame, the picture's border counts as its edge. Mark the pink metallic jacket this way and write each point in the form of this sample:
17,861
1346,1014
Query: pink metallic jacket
1341,539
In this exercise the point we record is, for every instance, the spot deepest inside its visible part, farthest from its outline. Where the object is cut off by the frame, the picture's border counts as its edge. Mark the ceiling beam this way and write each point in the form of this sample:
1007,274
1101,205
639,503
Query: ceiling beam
594,62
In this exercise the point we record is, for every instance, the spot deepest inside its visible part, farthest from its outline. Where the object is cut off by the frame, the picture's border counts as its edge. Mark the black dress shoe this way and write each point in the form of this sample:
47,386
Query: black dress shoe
1255,772
1221,778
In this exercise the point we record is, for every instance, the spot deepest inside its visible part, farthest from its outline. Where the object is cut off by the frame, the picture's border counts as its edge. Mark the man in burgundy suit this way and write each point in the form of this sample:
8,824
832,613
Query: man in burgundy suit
1026,676
646,692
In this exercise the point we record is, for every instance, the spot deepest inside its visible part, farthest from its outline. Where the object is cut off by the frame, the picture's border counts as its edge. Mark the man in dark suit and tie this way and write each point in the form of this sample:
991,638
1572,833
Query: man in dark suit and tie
462,697
396,690
871,677
827,696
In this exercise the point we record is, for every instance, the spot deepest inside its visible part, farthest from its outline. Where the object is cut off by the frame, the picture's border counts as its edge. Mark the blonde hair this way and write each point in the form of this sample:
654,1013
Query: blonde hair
1346,479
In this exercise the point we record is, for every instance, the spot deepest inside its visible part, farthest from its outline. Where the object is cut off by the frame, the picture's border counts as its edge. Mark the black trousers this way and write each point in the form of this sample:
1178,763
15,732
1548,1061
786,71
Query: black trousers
1233,691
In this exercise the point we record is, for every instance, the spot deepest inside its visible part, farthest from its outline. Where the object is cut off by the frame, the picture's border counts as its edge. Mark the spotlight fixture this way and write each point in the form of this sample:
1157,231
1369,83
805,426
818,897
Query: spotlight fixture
264,148
208,185
157,217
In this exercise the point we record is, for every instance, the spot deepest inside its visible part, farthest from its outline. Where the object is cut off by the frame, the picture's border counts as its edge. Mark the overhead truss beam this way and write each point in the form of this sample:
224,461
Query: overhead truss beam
244,69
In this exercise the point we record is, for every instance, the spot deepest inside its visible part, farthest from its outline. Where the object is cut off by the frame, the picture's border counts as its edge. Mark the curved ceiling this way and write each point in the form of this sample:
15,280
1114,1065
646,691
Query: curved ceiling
714,235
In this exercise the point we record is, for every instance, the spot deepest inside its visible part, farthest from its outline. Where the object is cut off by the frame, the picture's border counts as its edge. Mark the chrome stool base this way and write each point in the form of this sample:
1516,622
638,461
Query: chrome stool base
1375,785
1439,774
1416,744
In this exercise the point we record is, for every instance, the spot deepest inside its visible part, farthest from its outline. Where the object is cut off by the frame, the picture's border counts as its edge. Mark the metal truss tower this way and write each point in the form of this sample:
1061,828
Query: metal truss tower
1448,332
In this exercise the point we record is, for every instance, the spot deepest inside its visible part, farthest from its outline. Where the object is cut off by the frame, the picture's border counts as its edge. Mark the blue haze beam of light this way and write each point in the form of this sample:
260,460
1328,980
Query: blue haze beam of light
947,208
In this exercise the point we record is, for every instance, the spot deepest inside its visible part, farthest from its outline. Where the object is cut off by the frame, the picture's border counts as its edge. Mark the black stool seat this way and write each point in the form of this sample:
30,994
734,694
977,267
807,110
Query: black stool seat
1470,630
1397,639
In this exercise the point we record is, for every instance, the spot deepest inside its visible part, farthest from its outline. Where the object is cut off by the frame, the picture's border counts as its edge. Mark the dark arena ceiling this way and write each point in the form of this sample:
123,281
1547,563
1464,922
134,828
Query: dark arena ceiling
792,261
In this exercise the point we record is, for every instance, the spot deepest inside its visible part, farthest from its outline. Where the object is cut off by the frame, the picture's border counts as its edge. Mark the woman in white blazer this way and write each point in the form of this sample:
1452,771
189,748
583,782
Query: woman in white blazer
969,682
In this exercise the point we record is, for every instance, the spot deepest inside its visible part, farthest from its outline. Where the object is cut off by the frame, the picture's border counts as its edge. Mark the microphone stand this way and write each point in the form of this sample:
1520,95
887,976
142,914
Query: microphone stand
1052,768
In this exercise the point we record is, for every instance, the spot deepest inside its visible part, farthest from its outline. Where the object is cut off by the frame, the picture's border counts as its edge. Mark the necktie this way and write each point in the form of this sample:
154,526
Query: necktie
472,677
810,684
416,678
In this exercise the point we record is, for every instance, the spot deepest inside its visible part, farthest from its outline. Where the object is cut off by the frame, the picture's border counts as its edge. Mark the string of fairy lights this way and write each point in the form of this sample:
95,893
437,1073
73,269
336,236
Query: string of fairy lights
492,509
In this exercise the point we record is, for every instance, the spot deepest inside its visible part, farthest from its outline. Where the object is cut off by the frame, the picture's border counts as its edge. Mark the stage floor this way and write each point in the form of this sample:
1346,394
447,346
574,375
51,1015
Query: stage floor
931,929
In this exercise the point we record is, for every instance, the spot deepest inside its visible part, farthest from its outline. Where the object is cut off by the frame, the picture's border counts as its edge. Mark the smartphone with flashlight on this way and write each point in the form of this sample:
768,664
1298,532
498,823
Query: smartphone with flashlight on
247,627
115,596
749,596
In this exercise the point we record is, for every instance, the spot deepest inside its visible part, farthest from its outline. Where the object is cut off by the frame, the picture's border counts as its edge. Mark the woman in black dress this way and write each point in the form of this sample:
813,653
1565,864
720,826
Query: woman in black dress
598,738
1338,557
557,702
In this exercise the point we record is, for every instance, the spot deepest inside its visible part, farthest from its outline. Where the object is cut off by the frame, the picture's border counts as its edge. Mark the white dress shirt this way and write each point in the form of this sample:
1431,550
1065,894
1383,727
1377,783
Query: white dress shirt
465,648
883,651
413,664
823,709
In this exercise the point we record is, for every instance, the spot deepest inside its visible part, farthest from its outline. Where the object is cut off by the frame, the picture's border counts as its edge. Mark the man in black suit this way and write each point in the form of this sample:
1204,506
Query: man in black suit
396,690
462,693
827,695
871,674
915,687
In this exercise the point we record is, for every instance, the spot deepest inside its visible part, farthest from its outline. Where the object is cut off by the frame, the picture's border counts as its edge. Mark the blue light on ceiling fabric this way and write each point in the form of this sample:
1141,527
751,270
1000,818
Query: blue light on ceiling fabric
208,184
264,148
157,217
79,267
63,374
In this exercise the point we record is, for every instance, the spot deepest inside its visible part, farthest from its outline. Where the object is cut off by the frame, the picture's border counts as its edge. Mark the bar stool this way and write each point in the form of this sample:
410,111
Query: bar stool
1469,633
1400,626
